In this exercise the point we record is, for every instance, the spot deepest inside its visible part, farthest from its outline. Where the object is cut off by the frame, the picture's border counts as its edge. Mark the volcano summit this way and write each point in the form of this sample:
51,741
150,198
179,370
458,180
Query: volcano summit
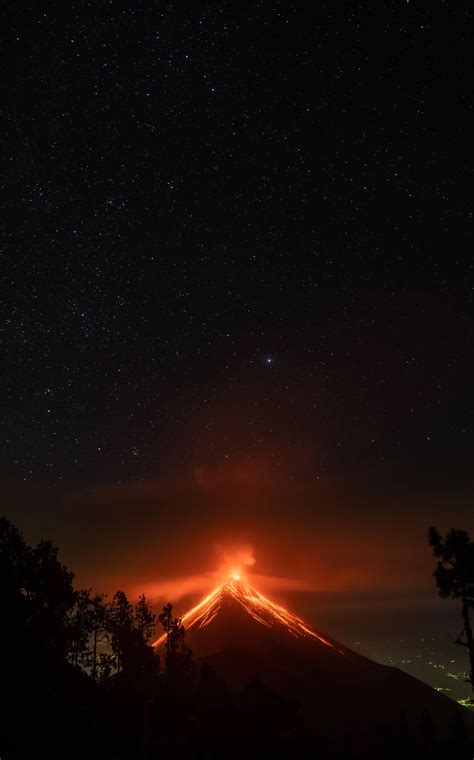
234,598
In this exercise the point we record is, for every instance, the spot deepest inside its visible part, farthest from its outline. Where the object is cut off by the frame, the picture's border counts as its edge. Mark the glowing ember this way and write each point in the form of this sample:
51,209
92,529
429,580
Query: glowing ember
260,608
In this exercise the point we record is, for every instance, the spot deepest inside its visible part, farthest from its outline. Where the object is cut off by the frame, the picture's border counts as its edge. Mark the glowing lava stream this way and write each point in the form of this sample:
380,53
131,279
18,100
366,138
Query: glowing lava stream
255,604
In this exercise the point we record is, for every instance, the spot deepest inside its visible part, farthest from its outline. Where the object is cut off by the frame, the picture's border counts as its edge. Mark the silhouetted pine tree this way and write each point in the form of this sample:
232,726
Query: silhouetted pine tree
179,657
101,662
79,626
144,619
120,627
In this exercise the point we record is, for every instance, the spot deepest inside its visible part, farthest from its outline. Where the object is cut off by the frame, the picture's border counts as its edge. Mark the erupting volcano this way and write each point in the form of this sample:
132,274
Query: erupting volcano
233,592
247,637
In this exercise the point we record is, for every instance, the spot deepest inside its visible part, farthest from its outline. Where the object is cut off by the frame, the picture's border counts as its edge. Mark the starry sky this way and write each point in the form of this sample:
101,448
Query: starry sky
237,283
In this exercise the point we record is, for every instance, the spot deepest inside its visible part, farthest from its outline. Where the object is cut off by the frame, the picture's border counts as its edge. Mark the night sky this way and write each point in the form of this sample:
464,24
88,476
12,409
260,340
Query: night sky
237,284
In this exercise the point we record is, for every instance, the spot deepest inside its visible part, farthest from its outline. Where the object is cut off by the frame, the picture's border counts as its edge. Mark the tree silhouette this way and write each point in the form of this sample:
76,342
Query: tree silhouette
43,637
136,663
454,577
166,620
14,566
178,658
146,662
79,626
120,626
89,635
36,589
100,662
144,619
130,630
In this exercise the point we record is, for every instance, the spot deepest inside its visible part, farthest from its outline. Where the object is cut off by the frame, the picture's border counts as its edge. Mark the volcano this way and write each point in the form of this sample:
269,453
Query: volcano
248,638
234,606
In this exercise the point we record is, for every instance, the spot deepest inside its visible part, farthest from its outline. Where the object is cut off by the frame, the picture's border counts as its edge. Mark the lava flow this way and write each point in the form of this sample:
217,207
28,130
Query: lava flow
234,590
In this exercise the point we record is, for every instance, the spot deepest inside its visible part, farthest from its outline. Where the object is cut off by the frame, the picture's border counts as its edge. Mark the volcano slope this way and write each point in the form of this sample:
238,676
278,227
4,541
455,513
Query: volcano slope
247,638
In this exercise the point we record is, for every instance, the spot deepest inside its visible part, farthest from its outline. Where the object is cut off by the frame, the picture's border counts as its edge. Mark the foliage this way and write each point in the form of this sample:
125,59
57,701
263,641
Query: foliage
36,586
454,577
144,619
455,569
79,627
179,657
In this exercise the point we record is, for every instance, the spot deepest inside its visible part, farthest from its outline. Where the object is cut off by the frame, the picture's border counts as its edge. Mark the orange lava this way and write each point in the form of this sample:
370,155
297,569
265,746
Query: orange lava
263,610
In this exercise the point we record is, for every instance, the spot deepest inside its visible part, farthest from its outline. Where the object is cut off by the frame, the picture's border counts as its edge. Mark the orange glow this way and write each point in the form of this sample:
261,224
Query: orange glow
260,608
260,511
234,561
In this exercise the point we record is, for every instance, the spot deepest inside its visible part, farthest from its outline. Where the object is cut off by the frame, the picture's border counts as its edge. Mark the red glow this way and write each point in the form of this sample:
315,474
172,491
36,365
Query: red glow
234,561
